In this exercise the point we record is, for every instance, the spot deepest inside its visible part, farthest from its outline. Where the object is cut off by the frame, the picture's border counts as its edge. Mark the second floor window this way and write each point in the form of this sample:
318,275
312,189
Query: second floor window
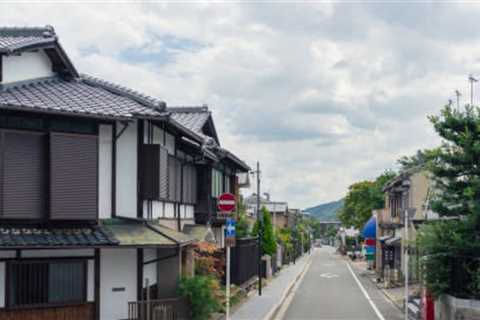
217,183
48,175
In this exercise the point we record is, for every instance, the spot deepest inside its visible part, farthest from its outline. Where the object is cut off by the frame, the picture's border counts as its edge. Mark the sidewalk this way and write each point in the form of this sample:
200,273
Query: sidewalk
262,307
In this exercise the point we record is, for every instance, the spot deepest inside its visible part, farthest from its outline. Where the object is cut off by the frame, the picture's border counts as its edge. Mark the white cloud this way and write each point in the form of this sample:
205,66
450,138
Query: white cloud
322,94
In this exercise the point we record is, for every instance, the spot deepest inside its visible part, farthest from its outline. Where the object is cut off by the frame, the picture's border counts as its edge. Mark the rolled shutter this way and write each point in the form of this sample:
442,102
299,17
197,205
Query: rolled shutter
163,172
24,179
73,176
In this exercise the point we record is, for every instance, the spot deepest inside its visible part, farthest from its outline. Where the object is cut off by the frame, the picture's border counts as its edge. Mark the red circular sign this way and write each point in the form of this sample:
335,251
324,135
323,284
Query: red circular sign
226,202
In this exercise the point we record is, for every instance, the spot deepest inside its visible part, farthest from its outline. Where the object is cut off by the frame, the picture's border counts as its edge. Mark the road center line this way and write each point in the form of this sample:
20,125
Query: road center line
379,315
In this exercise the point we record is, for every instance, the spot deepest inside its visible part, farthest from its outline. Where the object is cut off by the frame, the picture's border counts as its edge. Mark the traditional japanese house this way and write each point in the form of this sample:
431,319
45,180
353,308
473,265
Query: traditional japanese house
96,182
217,171
409,192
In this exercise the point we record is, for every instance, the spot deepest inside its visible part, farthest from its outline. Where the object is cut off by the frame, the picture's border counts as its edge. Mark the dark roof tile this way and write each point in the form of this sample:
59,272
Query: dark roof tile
56,237
87,96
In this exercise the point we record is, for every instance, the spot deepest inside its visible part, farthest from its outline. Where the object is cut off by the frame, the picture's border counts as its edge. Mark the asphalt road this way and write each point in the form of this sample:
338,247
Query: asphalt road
329,291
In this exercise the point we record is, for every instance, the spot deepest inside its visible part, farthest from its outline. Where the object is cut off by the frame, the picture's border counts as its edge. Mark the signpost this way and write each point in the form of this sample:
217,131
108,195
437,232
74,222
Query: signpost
229,242
226,205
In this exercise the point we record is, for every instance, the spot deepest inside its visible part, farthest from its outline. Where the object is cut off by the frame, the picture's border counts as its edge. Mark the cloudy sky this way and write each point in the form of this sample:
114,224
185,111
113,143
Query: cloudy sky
322,94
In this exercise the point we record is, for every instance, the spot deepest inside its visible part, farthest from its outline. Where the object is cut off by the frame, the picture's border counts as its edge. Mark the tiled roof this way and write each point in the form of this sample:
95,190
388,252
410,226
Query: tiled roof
194,118
14,38
12,237
88,96
139,233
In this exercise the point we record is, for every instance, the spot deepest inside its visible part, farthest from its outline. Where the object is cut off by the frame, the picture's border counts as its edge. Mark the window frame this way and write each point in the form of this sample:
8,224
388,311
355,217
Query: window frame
9,279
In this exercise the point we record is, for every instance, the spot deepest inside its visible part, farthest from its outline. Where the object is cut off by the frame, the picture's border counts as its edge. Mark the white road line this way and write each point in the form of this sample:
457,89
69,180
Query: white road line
379,315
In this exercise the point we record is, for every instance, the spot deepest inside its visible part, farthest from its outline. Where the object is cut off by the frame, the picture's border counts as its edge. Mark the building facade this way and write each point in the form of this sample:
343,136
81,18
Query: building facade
97,183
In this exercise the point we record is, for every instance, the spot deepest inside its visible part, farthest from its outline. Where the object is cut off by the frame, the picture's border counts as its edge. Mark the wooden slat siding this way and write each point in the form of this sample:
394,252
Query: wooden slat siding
24,179
163,172
150,166
189,184
73,176
171,178
77,312
185,178
178,180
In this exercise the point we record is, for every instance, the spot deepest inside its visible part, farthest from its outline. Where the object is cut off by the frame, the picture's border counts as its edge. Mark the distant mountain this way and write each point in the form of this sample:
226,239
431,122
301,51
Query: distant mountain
326,211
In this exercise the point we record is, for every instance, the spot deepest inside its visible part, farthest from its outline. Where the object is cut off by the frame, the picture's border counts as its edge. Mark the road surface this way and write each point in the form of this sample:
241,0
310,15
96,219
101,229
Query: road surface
330,291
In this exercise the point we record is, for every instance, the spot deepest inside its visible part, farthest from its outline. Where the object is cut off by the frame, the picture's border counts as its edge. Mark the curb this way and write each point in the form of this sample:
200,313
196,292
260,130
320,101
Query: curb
270,315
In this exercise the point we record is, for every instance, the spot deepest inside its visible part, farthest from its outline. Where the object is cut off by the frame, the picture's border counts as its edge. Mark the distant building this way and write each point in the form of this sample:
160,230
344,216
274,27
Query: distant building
278,209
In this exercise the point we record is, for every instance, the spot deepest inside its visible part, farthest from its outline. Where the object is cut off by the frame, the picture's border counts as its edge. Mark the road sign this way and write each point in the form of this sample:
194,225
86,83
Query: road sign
229,242
230,232
226,202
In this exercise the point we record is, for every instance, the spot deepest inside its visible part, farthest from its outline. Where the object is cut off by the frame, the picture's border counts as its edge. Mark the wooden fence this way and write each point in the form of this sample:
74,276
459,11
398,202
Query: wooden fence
244,258
161,309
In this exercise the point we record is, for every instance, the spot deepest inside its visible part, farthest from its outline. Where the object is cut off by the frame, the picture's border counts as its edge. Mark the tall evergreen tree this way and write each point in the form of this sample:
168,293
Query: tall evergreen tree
269,244
456,168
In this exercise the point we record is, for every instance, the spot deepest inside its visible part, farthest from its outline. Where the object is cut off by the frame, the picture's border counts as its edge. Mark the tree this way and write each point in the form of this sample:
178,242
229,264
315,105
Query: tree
269,245
362,198
423,159
242,228
456,169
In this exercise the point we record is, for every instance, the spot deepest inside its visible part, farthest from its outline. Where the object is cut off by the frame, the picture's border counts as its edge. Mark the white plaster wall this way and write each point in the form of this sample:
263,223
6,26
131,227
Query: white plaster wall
158,135
150,270
170,143
189,212
105,172
91,281
118,269
28,65
57,253
2,284
126,170
169,210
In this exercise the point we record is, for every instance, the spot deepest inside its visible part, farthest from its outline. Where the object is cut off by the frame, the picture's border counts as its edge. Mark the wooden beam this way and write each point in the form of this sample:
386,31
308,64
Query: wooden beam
97,283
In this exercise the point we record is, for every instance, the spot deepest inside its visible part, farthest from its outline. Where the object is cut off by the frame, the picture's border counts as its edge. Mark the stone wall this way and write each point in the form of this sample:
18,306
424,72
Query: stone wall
451,308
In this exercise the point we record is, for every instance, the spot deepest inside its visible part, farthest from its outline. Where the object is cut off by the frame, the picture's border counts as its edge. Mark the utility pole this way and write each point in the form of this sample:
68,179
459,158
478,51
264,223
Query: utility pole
472,81
260,230
407,253
458,94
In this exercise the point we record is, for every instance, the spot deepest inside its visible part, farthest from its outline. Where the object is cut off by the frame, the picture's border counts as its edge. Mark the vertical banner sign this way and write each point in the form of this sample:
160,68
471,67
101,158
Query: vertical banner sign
229,242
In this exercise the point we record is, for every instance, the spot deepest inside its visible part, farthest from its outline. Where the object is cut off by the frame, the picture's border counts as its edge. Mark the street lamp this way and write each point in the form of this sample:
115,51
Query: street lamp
260,229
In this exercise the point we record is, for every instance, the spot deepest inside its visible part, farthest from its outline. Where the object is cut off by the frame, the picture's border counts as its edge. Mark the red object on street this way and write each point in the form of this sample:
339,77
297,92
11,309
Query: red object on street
428,306
226,202
370,242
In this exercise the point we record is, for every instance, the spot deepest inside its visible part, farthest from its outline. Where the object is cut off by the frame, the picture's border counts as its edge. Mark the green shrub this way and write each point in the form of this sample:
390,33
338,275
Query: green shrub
200,293
269,245
450,260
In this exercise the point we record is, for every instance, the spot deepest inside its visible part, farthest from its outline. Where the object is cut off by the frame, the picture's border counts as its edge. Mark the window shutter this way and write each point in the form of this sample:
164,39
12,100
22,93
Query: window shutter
24,178
73,176
178,182
163,172
149,182
186,184
194,185
171,178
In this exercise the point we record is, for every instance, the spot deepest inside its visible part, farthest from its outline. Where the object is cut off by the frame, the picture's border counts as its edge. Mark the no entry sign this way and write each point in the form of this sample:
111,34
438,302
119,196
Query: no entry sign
226,202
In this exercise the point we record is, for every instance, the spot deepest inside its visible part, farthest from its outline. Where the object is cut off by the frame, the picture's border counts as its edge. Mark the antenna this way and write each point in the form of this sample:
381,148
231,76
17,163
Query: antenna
458,94
472,80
